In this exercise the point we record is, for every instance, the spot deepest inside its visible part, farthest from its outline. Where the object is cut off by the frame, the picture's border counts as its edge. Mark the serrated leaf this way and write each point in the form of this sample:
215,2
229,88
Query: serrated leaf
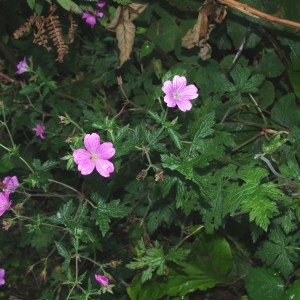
107,211
275,252
62,250
244,81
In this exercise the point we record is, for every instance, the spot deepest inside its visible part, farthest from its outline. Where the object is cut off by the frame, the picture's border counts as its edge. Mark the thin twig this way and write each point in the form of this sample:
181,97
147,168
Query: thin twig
248,10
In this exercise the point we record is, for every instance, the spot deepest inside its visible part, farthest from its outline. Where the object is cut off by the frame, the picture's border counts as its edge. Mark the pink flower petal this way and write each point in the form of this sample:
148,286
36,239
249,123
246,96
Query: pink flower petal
179,82
170,101
168,87
81,156
184,105
106,150
92,142
104,167
103,280
11,183
189,92
2,275
101,4
5,203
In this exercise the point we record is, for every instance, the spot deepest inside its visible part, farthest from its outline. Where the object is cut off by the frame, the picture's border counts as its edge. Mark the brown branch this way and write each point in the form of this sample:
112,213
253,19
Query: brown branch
246,9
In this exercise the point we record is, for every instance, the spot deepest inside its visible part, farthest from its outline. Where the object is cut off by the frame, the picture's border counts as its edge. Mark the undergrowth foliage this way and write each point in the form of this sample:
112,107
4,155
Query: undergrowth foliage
149,150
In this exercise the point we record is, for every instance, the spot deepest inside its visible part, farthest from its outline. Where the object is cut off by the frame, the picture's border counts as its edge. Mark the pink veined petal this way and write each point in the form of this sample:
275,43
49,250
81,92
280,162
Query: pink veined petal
81,156
168,87
184,105
86,168
179,83
4,203
103,280
170,100
11,183
190,92
104,167
106,151
92,142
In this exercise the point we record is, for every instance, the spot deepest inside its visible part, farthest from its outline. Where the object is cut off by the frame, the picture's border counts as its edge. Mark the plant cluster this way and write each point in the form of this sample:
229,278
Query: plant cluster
149,150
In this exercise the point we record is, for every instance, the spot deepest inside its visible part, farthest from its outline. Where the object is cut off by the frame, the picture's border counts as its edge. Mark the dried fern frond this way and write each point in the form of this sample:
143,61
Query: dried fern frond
26,27
49,29
72,29
40,36
53,26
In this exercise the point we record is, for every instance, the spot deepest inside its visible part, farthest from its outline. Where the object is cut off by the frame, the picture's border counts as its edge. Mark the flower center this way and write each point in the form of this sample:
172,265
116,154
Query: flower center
176,95
94,157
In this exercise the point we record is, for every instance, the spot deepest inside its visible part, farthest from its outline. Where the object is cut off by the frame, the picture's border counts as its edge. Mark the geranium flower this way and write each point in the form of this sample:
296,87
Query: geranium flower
2,275
5,203
103,280
95,155
22,66
11,183
179,93
90,18
39,130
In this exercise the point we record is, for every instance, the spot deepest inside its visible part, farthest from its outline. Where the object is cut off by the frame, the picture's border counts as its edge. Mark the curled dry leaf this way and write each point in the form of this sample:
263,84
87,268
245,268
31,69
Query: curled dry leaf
125,29
210,14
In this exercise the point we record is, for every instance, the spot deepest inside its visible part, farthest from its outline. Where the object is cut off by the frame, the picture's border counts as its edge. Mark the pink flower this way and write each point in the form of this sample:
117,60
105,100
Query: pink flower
90,18
5,203
95,155
179,93
11,183
39,130
100,4
22,66
103,280
2,275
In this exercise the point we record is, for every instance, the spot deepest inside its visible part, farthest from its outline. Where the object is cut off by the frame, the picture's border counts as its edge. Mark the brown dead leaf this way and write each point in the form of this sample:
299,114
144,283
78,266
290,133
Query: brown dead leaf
125,29
125,33
210,13
136,9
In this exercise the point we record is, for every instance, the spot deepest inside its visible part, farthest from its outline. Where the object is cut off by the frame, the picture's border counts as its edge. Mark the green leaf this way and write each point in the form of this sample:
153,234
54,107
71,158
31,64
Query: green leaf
263,284
146,49
175,137
277,253
164,32
270,65
31,3
293,292
62,250
244,81
286,111
210,262
108,210
70,6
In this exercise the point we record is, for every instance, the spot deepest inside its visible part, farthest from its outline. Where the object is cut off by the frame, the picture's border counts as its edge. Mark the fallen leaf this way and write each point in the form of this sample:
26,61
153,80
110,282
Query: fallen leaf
125,29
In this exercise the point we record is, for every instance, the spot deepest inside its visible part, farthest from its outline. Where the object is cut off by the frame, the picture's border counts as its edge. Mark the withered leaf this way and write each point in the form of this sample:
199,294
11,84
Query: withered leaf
125,29
210,14
125,33
135,10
